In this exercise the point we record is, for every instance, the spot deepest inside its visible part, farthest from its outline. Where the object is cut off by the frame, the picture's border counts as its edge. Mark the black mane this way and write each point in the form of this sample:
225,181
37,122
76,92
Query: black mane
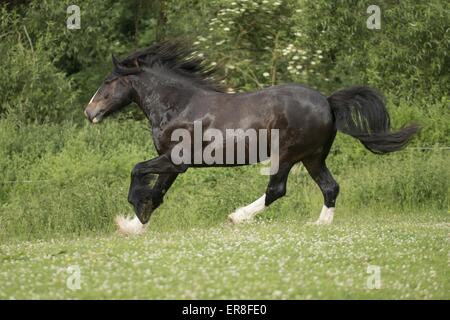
173,56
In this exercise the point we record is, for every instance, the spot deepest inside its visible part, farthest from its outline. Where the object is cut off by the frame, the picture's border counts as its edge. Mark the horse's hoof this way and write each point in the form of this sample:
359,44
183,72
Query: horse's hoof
144,210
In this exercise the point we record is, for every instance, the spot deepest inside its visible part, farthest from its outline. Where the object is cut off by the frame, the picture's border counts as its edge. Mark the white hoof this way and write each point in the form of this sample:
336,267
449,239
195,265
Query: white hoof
129,227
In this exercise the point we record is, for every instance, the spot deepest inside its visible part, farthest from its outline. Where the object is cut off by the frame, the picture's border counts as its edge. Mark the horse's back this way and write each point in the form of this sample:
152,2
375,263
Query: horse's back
297,94
288,107
294,103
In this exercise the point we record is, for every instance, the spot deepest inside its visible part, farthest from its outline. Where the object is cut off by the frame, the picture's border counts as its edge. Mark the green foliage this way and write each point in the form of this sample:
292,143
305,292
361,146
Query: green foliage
407,57
49,71
328,45
32,87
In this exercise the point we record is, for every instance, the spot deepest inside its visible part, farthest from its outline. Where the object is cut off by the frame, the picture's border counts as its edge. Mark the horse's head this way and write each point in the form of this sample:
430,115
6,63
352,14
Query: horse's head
114,93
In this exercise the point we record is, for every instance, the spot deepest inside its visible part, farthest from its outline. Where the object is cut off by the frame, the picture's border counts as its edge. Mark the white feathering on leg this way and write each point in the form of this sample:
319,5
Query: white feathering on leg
323,213
130,226
330,215
247,213
326,215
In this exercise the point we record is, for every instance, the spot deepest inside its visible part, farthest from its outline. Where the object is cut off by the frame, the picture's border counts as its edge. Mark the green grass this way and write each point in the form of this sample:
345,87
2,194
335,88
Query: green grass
287,259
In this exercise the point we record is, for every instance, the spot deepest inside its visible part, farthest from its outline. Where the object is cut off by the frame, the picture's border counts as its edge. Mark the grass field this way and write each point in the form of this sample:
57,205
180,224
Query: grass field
262,260
64,184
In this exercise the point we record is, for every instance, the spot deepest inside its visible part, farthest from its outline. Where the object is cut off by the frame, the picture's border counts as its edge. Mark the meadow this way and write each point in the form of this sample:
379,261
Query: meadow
268,259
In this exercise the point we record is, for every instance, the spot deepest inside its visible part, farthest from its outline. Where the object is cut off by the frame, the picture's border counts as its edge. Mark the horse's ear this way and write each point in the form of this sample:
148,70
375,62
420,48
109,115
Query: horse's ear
124,70
114,60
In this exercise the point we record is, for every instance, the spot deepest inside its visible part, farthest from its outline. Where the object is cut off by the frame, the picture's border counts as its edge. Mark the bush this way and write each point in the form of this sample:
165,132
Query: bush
50,70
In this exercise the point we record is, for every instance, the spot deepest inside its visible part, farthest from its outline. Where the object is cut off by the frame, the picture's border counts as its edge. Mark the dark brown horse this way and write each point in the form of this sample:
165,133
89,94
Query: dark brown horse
175,91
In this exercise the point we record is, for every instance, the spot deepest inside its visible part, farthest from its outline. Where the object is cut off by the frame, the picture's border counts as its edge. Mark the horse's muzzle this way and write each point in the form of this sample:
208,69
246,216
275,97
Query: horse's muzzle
93,115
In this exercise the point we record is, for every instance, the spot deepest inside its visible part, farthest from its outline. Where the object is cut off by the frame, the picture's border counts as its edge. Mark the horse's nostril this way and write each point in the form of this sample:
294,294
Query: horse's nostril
89,114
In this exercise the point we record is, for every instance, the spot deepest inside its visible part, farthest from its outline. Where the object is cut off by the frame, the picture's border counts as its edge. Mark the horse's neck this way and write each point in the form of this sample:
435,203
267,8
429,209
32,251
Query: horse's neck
163,101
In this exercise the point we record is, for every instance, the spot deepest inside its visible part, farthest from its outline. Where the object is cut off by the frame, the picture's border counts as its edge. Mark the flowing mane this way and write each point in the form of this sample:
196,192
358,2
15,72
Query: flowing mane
173,56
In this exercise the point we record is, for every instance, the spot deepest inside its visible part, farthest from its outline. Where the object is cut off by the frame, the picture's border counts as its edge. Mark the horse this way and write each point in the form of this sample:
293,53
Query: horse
177,90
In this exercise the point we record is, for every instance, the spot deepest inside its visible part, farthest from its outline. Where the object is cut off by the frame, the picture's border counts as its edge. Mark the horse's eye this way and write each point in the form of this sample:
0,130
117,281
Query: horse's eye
106,96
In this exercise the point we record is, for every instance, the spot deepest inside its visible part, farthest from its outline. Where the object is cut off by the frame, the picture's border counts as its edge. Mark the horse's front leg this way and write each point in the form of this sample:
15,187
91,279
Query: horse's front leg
142,195
144,198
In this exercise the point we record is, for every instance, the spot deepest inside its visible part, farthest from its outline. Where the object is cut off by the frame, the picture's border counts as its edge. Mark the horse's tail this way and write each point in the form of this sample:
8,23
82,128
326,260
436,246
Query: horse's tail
361,113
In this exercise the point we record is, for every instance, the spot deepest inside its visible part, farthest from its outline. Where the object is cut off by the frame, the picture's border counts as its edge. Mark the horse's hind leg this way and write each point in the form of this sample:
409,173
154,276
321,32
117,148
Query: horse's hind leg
318,170
275,190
